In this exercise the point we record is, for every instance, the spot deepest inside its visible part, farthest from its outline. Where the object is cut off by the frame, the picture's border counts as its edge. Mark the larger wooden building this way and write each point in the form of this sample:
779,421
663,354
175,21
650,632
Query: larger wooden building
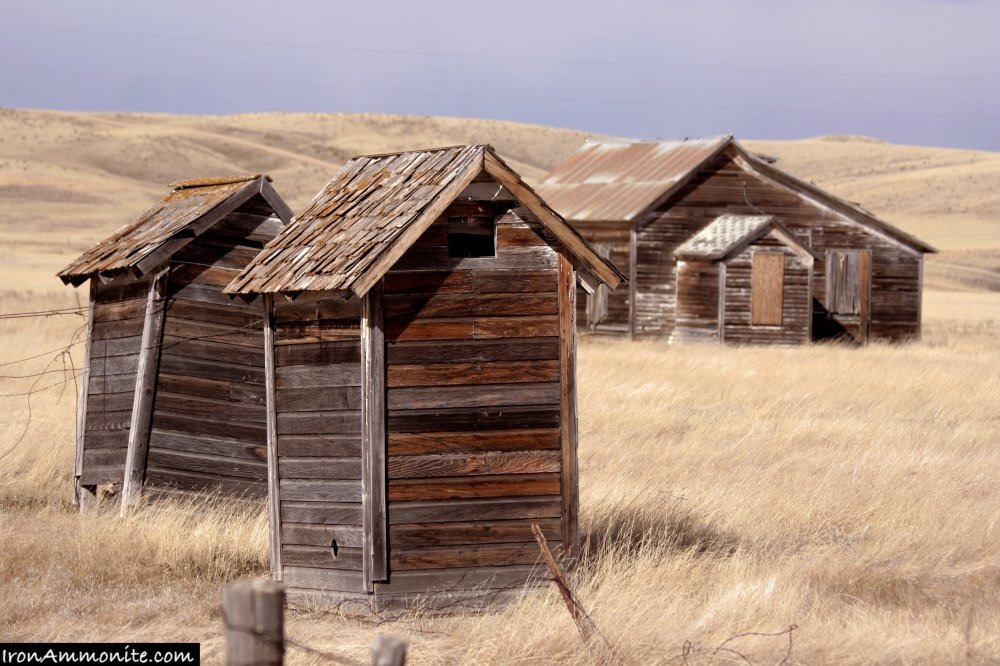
419,354
173,384
638,202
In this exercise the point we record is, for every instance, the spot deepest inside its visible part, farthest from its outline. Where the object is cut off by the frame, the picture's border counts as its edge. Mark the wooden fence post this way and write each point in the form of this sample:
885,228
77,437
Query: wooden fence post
388,651
253,612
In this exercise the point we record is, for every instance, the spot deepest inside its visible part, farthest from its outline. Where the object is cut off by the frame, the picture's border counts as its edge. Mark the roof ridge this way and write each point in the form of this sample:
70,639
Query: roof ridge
217,180
423,150
652,142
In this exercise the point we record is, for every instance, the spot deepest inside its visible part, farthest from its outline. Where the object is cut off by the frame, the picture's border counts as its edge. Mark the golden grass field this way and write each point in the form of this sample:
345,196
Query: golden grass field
850,492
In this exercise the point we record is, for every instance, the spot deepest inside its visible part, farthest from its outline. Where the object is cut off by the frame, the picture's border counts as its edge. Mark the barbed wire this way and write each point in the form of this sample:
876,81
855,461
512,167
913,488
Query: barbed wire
44,313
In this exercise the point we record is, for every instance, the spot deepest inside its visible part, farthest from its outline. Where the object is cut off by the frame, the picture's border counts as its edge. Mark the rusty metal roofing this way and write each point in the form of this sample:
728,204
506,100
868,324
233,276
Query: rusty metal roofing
189,201
616,181
375,207
728,233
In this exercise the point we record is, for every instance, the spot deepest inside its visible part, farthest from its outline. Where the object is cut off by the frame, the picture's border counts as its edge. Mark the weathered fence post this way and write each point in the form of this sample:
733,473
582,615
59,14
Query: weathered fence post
253,612
388,651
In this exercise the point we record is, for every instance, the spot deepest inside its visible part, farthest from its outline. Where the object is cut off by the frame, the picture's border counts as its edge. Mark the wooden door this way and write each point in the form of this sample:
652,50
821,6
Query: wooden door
848,288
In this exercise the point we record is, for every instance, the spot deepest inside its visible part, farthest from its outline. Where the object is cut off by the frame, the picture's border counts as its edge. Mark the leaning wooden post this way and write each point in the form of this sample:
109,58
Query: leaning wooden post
388,651
145,384
253,612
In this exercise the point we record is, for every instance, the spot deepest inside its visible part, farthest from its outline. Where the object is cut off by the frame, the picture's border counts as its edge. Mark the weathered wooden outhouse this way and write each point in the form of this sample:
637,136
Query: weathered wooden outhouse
172,393
637,202
421,380
744,279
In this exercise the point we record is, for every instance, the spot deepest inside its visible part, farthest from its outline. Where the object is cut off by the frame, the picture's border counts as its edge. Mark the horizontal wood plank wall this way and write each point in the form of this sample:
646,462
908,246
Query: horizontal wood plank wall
209,417
619,240
697,302
119,311
726,188
318,407
796,300
474,410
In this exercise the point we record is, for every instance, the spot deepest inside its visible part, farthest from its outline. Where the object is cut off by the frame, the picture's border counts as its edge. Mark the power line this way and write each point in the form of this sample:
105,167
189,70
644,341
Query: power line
508,58
632,103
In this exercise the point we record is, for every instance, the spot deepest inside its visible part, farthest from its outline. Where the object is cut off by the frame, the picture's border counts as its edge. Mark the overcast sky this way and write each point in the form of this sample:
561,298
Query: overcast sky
908,71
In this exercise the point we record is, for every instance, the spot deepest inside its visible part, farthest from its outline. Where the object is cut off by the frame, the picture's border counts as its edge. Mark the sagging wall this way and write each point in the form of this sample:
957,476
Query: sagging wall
796,313
209,418
726,188
115,339
474,410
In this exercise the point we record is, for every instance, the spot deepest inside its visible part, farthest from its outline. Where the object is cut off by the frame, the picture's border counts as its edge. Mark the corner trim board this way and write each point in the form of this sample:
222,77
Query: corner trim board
375,560
145,390
273,485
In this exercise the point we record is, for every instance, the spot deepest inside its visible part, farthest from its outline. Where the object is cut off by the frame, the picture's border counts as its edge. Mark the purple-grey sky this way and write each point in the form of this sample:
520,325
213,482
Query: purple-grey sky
909,71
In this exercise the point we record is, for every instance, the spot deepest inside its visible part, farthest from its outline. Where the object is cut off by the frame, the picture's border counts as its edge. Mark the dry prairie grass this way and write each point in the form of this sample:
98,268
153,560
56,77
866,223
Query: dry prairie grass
851,492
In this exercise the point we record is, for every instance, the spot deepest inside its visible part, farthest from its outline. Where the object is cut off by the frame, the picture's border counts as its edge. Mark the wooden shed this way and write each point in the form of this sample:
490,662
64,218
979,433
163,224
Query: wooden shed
744,279
637,202
173,383
420,355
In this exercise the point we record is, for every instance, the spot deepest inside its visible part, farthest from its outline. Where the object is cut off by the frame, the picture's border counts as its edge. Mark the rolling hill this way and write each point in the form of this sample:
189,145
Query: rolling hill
67,179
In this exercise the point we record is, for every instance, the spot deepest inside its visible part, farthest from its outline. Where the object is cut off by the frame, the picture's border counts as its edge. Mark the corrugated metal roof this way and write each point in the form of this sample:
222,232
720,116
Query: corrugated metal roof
189,201
612,181
721,235
365,211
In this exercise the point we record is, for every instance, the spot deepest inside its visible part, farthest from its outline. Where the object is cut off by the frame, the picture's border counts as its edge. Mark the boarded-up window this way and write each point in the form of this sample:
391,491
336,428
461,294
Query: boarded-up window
766,287
843,281
597,302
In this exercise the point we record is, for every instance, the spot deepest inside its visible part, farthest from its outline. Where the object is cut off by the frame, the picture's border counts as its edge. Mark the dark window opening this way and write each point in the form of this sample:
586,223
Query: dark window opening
472,237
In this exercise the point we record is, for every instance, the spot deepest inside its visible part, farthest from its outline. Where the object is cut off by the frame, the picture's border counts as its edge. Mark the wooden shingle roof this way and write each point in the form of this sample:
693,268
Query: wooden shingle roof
727,234
375,207
191,208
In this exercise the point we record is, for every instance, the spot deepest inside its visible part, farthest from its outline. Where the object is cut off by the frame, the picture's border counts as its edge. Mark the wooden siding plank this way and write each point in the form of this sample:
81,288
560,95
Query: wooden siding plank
295,490
322,513
462,351
446,374
466,556
319,468
478,509
404,444
320,557
474,419
321,446
311,399
506,485
461,464
319,423
481,395
434,535
304,534
318,376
